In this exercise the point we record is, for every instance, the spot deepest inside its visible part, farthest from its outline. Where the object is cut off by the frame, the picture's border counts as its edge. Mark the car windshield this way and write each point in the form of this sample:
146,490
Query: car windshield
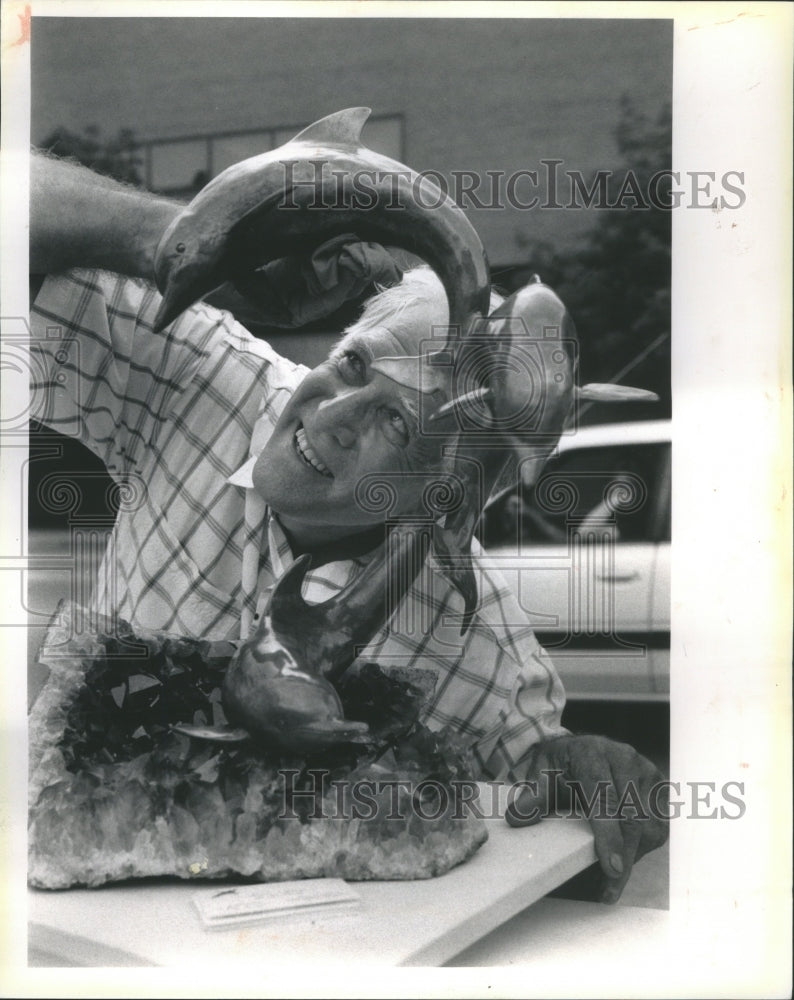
620,489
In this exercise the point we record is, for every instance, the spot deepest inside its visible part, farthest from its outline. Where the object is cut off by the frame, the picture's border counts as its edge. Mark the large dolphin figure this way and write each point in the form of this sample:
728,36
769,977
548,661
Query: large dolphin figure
321,184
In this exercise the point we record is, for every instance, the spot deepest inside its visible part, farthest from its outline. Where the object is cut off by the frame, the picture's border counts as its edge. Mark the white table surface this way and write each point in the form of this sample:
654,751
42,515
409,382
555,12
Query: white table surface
419,923
578,937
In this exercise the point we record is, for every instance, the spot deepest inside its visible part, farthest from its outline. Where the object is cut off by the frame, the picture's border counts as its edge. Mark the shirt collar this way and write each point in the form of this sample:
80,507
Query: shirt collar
244,475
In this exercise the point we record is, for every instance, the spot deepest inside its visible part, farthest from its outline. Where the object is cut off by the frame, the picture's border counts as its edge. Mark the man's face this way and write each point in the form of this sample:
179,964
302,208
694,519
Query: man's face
348,426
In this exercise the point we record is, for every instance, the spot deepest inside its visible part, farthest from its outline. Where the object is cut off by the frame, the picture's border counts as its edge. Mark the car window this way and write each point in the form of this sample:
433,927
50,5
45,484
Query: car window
622,489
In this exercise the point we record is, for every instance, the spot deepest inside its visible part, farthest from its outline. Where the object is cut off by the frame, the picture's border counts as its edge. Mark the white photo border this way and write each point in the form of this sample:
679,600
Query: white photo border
730,917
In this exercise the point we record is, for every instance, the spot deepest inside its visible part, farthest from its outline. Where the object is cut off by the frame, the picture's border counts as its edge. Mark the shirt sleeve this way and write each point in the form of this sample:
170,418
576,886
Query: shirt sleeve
99,373
504,644
531,715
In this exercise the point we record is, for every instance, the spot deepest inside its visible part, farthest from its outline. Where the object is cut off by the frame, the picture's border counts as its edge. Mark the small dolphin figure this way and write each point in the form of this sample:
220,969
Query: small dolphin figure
277,689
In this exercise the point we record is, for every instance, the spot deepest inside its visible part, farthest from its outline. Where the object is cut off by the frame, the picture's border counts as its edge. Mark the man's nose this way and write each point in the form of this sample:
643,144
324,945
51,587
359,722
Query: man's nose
343,415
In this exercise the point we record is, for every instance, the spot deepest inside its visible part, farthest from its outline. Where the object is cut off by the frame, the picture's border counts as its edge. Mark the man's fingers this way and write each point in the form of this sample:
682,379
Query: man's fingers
609,846
613,887
616,840
525,808
594,796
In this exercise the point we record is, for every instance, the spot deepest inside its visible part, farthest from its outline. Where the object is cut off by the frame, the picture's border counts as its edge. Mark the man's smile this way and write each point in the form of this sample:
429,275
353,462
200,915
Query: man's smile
308,455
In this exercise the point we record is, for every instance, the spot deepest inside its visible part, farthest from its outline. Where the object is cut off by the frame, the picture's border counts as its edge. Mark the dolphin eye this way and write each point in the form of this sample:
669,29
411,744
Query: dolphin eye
180,248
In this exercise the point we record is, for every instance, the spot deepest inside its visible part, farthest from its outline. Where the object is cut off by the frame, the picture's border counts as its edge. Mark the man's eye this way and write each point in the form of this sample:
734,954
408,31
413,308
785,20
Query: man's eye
352,365
397,425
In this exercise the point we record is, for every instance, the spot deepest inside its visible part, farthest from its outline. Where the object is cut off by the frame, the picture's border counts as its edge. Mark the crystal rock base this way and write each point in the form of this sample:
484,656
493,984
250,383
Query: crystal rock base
116,794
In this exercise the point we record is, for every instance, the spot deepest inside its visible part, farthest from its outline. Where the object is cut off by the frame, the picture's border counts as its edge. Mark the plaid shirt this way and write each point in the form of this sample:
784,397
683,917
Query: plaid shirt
178,419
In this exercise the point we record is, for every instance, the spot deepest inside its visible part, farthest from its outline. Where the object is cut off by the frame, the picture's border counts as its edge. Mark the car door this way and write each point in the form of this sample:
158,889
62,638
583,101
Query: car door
579,548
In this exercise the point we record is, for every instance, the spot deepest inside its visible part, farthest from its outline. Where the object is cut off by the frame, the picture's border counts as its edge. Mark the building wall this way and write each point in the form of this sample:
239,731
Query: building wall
475,94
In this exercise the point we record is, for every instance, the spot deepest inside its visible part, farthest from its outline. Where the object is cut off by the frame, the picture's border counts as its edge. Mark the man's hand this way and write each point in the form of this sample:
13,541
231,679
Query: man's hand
293,292
616,788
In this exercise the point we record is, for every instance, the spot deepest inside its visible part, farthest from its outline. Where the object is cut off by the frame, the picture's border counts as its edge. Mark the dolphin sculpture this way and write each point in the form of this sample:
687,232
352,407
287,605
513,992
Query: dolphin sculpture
515,392
277,688
320,184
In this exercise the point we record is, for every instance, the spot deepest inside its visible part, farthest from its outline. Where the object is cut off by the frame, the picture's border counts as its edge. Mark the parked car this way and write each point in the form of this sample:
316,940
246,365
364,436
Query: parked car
586,550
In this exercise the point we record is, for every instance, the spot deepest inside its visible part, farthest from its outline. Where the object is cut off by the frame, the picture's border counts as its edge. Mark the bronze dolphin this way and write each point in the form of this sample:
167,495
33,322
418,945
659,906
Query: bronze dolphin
321,184
277,688
515,394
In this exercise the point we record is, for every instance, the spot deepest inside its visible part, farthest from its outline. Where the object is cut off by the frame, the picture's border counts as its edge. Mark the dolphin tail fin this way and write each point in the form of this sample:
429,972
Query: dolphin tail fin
607,392
343,128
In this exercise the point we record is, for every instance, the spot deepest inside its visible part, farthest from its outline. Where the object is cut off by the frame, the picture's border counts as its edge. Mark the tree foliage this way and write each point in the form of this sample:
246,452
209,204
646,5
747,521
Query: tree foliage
117,157
616,282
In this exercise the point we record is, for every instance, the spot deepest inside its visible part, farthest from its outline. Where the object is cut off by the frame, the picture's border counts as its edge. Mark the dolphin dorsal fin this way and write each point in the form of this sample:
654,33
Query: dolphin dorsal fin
343,128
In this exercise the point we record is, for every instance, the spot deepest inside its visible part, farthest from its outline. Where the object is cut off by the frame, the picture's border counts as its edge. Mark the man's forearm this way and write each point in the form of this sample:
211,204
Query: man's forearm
81,219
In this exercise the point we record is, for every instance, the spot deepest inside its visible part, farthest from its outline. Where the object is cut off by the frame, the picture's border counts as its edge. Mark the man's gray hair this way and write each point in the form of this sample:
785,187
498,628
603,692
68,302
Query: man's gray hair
419,286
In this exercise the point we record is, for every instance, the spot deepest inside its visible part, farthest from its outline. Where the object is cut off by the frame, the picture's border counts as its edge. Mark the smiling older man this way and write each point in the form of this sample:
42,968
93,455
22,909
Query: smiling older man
240,460
348,421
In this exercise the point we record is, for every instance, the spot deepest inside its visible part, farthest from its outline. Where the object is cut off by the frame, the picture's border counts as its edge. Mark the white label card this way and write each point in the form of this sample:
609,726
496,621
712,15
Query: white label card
232,905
